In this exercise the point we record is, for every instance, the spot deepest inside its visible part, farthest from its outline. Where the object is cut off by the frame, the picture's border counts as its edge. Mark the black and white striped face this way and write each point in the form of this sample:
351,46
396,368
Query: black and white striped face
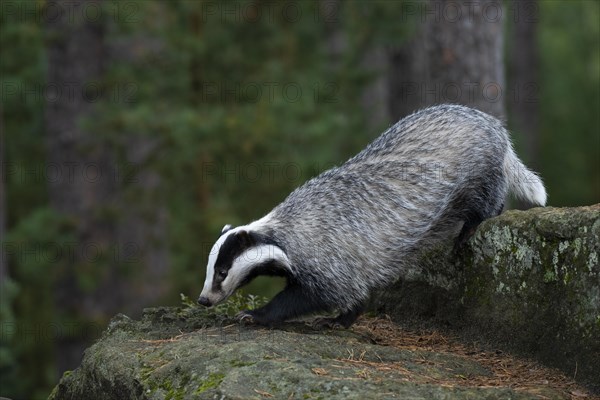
238,256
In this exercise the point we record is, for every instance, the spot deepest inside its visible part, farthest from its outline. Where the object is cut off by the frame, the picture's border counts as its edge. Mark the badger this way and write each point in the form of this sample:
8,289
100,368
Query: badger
354,228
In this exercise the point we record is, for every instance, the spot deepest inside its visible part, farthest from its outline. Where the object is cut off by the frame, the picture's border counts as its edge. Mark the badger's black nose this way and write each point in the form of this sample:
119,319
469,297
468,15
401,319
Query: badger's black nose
204,301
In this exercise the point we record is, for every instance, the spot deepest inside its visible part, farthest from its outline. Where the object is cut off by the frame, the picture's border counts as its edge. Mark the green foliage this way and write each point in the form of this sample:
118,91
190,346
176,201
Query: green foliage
239,301
251,110
570,100
36,244
8,375
21,83
26,365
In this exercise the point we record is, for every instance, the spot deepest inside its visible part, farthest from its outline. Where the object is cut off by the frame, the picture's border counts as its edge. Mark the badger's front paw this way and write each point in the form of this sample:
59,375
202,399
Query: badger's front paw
246,317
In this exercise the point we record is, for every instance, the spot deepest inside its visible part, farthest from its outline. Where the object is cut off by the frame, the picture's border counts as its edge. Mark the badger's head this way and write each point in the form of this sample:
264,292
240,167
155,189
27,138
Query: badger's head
239,255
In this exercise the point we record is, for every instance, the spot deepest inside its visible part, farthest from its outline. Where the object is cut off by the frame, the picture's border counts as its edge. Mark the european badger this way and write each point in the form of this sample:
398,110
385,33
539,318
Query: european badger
354,228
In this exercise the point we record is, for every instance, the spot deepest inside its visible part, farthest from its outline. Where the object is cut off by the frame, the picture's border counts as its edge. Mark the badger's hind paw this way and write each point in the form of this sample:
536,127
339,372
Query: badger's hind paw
326,323
245,317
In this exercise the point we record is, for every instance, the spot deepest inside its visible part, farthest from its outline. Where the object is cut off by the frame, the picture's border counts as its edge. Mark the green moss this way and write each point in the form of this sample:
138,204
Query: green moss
54,393
213,381
145,374
175,394
238,363
549,276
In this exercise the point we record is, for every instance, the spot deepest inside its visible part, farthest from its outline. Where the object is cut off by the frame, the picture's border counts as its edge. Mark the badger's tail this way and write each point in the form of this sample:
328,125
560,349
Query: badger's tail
526,185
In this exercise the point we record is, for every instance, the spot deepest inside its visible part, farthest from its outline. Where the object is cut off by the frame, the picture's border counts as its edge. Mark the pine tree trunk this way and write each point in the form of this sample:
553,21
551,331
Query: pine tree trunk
3,255
120,221
375,96
454,57
524,65
76,55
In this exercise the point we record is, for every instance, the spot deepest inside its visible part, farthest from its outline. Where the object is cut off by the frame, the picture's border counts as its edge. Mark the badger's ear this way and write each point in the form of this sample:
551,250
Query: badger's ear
226,228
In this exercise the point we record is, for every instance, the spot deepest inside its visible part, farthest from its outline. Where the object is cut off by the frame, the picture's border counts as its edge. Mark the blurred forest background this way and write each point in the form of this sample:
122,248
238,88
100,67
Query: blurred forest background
132,131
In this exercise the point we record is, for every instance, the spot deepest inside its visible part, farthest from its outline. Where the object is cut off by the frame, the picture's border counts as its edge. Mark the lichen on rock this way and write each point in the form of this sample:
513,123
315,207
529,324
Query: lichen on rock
528,280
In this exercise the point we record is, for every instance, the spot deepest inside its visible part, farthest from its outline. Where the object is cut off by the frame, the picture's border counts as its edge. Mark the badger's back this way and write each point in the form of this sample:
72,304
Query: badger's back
354,227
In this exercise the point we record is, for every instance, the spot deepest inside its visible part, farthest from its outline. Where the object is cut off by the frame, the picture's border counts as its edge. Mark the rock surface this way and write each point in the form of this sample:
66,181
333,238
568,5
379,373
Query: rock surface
179,354
526,281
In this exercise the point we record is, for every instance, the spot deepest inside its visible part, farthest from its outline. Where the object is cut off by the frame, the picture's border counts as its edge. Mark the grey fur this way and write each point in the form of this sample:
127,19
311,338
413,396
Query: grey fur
354,228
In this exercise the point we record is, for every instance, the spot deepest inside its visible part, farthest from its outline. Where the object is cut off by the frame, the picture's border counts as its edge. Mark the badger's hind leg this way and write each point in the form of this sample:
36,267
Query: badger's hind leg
291,302
484,200
472,219
344,320
466,232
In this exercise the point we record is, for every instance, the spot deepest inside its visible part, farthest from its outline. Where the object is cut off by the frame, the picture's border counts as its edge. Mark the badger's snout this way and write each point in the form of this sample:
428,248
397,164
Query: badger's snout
204,301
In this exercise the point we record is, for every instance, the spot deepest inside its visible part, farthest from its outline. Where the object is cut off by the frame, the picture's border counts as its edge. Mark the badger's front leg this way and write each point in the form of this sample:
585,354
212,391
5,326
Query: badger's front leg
291,302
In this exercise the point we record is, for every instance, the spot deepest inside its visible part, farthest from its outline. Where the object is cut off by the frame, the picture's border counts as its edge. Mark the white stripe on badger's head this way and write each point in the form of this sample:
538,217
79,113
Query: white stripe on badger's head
214,252
239,255
263,259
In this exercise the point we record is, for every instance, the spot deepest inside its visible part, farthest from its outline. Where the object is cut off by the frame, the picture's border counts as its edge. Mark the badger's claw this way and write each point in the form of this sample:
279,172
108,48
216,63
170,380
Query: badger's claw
245,317
326,323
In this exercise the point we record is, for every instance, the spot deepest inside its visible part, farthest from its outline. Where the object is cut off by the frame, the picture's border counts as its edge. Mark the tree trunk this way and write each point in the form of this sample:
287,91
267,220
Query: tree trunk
375,97
119,254
408,75
335,40
3,256
454,57
76,55
523,76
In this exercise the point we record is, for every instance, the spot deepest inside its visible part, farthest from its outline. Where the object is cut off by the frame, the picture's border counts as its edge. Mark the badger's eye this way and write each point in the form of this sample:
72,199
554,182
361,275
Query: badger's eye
222,274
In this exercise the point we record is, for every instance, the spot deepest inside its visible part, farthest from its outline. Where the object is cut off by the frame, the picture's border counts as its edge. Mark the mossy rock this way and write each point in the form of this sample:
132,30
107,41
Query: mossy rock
168,356
527,280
